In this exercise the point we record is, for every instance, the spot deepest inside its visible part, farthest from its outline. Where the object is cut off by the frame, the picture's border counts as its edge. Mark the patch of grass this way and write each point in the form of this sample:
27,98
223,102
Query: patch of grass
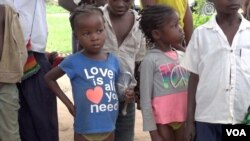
59,37
54,8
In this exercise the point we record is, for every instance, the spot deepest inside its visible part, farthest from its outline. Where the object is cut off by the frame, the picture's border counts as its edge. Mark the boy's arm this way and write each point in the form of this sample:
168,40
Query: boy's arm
188,24
70,5
2,17
50,79
192,87
67,4
146,3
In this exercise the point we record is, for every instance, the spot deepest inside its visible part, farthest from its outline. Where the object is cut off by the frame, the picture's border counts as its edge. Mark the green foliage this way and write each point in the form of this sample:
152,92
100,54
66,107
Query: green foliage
199,6
199,19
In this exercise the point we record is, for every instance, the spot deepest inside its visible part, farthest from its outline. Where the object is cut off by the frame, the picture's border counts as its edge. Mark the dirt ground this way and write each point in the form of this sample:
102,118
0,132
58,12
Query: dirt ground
66,120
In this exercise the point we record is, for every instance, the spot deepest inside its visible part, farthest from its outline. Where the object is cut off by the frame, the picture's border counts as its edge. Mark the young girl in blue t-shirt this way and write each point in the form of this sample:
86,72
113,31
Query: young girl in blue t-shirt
93,75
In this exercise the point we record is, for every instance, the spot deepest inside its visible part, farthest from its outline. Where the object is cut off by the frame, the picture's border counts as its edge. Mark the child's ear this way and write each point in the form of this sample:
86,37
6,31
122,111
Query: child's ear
156,34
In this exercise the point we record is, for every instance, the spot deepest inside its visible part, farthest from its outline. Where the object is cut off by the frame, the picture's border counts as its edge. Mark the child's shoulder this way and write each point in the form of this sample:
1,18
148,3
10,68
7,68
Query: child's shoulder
211,23
180,54
113,60
73,57
135,13
205,29
112,56
152,54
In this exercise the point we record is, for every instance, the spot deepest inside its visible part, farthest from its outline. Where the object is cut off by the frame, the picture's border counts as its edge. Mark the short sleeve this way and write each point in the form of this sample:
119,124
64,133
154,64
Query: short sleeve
67,66
191,57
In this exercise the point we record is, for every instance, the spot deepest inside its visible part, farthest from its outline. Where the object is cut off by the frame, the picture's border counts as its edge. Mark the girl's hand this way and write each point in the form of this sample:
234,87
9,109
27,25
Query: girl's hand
129,95
71,109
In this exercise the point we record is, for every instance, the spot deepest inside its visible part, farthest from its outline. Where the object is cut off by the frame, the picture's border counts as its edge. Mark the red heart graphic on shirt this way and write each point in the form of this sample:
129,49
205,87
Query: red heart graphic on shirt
95,95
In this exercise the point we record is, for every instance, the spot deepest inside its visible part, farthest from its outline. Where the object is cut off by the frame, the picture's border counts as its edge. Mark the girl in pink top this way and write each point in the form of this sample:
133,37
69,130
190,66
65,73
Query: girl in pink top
163,83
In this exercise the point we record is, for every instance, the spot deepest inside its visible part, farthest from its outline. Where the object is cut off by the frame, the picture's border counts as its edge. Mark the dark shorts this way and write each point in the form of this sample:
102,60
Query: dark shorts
222,132
208,131
125,125
38,113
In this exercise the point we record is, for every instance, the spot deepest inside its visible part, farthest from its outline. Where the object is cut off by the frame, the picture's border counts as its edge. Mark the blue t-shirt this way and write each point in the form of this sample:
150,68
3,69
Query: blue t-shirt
94,92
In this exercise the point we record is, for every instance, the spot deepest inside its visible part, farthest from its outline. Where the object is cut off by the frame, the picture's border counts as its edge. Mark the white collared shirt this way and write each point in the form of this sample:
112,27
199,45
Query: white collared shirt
26,8
223,91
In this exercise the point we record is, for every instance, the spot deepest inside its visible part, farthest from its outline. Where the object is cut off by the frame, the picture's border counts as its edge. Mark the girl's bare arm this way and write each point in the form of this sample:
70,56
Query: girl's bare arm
50,79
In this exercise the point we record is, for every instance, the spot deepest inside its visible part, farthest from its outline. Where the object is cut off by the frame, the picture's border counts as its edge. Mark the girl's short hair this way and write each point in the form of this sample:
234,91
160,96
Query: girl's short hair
83,10
152,17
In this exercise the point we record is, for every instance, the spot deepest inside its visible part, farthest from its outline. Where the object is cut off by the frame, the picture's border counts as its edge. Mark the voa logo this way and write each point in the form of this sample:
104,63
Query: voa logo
236,132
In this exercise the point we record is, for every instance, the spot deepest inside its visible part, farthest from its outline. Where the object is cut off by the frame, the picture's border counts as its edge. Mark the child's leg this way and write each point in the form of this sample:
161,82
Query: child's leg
179,133
79,137
111,137
125,124
166,132
94,137
9,105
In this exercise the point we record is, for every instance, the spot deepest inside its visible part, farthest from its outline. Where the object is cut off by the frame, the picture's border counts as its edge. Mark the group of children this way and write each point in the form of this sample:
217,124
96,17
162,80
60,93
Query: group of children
183,96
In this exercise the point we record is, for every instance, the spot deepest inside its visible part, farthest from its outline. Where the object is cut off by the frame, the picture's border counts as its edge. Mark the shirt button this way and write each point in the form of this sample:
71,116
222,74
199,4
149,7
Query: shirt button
231,51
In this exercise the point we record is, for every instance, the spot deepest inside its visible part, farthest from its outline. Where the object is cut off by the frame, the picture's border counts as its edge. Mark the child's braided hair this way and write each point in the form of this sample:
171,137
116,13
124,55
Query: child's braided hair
81,10
152,17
